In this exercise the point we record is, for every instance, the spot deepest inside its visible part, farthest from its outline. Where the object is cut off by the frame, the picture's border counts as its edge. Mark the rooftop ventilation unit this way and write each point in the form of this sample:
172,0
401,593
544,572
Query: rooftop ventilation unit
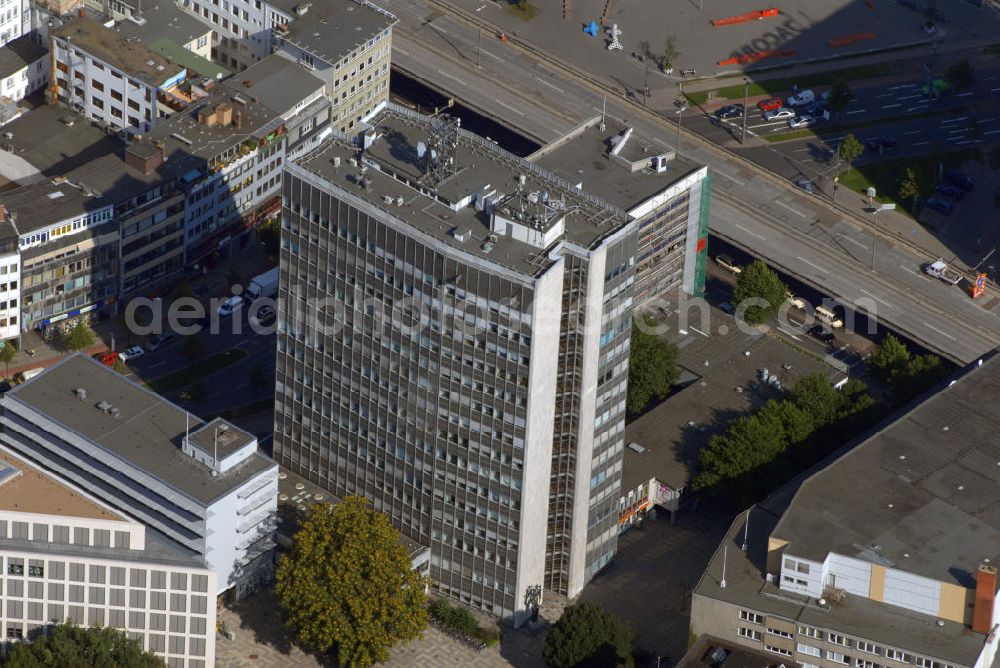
114,412
399,200
81,393
103,406
461,234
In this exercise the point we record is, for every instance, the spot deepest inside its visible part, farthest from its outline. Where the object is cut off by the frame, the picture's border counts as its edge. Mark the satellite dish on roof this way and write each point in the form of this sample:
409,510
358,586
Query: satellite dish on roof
421,149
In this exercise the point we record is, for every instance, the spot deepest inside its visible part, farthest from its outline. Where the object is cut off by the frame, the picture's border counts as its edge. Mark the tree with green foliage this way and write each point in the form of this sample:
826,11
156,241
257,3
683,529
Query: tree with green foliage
652,368
588,635
269,234
759,293
850,149
347,584
909,188
888,358
840,95
194,347
7,354
78,338
961,73
71,646
906,375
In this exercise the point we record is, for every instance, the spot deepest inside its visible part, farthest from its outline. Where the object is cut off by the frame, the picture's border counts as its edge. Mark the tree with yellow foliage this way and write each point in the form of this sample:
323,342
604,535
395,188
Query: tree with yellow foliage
347,585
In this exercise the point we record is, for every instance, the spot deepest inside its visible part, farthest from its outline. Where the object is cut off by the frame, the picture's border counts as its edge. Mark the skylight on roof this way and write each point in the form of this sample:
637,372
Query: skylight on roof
55,195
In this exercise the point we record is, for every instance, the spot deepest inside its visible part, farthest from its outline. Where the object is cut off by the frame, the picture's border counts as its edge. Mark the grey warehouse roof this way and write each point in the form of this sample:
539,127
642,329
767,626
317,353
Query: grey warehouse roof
921,495
332,29
147,432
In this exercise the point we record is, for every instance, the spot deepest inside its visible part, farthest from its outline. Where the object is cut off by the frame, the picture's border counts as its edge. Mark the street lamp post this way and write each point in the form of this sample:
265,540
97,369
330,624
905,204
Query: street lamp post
884,207
479,44
836,184
746,96
681,108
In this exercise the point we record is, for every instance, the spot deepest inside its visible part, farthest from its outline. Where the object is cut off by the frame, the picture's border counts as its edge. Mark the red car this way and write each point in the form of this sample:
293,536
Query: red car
770,104
107,358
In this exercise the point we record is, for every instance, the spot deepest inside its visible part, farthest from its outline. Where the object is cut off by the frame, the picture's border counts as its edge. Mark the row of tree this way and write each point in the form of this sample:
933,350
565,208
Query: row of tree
905,375
759,451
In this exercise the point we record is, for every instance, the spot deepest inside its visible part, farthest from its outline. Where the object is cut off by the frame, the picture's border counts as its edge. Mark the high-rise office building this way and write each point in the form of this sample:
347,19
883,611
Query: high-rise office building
453,344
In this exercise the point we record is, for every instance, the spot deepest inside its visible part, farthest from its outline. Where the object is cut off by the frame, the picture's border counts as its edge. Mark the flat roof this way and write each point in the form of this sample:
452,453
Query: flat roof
220,436
332,29
56,140
479,165
147,432
584,157
20,53
278,82
189,60
29,490
163,20
947,641
674,432
129,55
921,495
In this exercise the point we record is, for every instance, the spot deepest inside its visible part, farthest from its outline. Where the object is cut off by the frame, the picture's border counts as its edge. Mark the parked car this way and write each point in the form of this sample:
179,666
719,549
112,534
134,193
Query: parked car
815,108
801,98
730,111
802,121
230,306
131,353
951,191
107,358
880,143
728,263
960,179
821,333
159,341
770,104
941,205
779,114
265,316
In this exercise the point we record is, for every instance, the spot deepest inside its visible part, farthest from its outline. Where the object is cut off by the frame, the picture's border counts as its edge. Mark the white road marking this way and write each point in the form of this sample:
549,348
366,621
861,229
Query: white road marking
751,232
852,240
920,143
552,86
452,77
993,90
785,331
909,97
917,108
798,213
954,120
877,298
891,106
951,132
693,329
907,269
814,266
884,95
912,132
504,104
857,111
402,51
967,141
493,55
965,94
930,326
438,29
731,178
991,132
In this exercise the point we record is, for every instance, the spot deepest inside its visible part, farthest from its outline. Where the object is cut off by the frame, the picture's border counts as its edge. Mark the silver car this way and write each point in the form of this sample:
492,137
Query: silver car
779,114
803,121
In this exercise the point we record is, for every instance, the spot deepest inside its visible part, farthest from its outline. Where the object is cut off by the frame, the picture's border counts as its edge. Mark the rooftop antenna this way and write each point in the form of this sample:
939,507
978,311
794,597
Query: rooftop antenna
746,530
604,111
187,427
215,453
725,552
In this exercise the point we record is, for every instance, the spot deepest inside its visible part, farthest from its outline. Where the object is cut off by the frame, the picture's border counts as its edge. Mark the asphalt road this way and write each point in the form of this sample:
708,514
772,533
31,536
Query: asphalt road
776,223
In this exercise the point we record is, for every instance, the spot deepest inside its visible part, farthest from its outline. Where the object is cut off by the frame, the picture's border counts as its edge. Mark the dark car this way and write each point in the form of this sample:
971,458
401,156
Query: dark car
771,104
730,111
821,333
941,205
960,179
952,191
815,108
881,143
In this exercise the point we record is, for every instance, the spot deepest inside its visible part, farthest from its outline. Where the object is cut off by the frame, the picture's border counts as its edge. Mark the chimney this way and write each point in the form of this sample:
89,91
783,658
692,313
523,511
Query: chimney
206,118
224,114
238,120
986,591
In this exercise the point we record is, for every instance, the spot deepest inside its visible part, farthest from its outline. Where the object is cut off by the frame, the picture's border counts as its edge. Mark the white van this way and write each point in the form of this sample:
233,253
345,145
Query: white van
829,317
801,98
28,374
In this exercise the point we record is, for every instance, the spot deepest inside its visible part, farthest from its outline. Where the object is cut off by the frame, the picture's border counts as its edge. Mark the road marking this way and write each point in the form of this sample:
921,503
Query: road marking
912,132
951,132
991,132
852,240
731,178
504,104
909,97
891,106
884,95
920,143
908,85
877,298
802,150
799,213
552,86
917,108
785,331
857,111
452,77
965,94
954,120
814,266
438,29
493,55
907,269
402,51
751,232
699,331
967,141
993,90
930,326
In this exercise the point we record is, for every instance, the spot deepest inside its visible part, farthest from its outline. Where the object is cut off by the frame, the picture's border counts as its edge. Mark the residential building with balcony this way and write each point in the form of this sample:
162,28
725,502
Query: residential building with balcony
470,364
203,485
66,555
883,558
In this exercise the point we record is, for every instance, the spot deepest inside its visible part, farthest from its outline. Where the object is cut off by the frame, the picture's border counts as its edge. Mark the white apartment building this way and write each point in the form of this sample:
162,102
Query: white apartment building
111,78
10,294
23,69
202,485
65,555
15,19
